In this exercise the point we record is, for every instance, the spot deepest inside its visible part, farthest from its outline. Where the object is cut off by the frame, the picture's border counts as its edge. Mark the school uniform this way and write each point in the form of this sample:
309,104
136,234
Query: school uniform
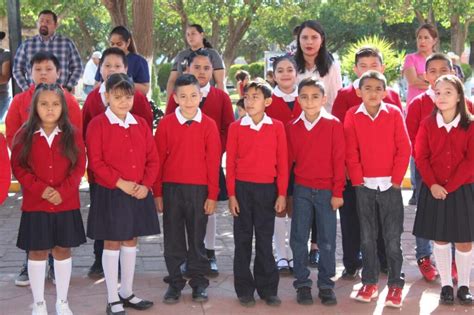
121,149
377,155
45,225
284,107
318,143
257,172
190,153
5,171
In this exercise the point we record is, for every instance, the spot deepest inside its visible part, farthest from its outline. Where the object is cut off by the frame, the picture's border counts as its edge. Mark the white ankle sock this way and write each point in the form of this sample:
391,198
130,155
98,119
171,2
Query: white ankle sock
110,259
443,259
279,238
36,273
210,238
464,264
128,257
62,274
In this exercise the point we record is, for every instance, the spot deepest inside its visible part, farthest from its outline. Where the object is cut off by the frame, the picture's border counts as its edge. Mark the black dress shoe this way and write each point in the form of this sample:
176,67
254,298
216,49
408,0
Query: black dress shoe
384,269
142,305
172,295
349,274
303,296
247,301
464,296
327,297
211,256
200,294
272,300
96,271
109,311
314,258
447,295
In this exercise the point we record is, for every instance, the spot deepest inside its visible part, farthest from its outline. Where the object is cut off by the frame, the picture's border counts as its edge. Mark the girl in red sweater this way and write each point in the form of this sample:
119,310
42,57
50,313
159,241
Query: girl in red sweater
444,153
48,159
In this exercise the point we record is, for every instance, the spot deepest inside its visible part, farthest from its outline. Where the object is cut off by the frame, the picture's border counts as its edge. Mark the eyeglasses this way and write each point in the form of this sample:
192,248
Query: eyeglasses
48,87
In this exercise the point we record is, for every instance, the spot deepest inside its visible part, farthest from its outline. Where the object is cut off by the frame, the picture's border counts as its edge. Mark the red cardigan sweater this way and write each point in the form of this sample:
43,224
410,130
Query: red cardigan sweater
5,172
280,110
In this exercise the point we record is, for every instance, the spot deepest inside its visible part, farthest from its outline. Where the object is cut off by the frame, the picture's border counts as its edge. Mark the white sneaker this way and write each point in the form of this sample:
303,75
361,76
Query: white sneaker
39,308
62,308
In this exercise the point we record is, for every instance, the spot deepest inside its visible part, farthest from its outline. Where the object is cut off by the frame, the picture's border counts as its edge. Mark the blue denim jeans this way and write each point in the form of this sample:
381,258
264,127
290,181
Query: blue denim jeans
308,205
423,246
389,205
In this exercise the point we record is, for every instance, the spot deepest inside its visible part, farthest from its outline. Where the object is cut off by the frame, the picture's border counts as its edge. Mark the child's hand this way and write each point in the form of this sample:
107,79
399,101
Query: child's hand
47,192
159,204
126,186
140,191
280,204
396,186
438,192
55,198
209,206
336,203
234,206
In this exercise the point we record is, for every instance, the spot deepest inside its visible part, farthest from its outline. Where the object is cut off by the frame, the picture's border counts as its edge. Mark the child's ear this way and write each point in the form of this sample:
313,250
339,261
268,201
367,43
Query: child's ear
107,96
324,99
175,97
358,92
268,101
382,68
385,93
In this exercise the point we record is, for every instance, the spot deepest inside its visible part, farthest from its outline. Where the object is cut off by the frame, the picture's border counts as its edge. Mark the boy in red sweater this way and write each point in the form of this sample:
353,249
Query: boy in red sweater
257,179
315,138
187,187
377,156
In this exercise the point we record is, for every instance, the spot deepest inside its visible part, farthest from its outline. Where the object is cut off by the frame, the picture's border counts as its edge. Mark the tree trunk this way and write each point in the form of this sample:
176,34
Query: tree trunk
178,6
87,41
471,55
118,11
458,35
143,25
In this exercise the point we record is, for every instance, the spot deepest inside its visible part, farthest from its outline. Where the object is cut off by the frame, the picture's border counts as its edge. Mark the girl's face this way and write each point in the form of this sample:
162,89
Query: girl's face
310,42
120,102
425,42
112,64
447,96
49,107
116,40
285,75
194,38
201,68
44,72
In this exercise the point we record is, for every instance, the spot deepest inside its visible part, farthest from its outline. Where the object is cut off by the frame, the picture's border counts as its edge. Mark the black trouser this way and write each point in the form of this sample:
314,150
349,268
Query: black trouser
98,244
222,186
350,229
183,215
256,203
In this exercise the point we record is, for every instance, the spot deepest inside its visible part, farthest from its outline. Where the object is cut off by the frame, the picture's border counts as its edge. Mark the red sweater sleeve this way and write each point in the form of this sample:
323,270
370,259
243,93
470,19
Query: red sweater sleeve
227,119
465,169
13,119
397,101
402,144
291,152
152,163
213,159
423,154
282,159
142,108
170,106
161,139
75,115
231,157
354,166
413,120
338,156
339,108
86,115
5,172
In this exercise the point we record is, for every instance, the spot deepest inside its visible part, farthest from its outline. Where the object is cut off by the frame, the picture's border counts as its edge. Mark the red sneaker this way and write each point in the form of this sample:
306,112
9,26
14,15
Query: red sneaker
367,293
394,297
454,272
427,269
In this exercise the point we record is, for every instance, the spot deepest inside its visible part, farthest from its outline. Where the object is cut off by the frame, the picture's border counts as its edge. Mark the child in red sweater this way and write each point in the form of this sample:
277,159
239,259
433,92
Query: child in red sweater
377,156
48,159
257,179
445,157
187,187
5,172
315,138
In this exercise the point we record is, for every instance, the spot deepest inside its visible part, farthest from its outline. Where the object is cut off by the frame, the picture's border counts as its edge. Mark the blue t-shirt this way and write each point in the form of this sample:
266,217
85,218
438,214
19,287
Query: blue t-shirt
137,69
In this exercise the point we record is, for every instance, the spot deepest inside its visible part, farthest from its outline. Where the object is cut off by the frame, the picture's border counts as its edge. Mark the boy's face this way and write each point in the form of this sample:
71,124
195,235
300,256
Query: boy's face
365,64
311,100
49,107
112,64
188,98
201,68
255,102
120,103
372,92
437,68
44,72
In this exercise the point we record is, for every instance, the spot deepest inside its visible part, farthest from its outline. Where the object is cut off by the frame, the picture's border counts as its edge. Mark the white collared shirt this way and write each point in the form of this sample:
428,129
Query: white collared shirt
431,93
113,119
310,125
363,110
453,124
247,121
102,93
205,89
355,84
49,138
286,97
182,120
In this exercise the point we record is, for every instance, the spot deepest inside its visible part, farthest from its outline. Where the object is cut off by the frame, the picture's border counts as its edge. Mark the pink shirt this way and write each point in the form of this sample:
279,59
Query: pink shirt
418,62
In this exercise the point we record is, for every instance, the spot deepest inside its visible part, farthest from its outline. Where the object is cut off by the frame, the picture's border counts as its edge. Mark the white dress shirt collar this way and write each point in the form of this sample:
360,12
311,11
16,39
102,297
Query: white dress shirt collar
247,121
113,119
310,125
453,124
49,138
182,120
286,97
362,109
205,89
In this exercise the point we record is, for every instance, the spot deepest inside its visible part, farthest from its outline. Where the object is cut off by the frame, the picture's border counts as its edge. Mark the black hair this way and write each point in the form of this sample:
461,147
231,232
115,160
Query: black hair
185,80
113,51
199,28
120,81
260,85
198,53
276,60
368,51
126,35
312,82
55,17
324,59
439,56
241,75
41,56
240,103
24,136
296,29
372,74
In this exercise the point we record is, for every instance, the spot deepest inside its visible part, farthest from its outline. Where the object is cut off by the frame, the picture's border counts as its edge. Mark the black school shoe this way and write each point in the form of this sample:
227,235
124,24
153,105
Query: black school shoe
142,305
200,294
96,271
313,258
303,296
172,295
247,301
464,296
211,256
447,295
350,274
327,297
272,300
109,311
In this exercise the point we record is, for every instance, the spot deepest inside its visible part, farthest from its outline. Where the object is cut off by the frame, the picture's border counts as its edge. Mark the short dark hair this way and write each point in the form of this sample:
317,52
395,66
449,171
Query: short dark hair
41,56
312,82
240,103
438,56
368,51
113,51
276,60
242,75
185,80
120,81
260,85
372,74
55,17
203,52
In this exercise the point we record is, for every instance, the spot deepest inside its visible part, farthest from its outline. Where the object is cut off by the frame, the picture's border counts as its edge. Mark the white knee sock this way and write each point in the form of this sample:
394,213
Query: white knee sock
443,259
464,265
110,259
36,273
289,253
210,239
128,257
62,274
279,238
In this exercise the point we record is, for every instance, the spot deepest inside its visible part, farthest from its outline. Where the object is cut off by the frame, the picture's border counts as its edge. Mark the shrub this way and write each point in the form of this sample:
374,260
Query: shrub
163,74
233,70
257,69
466,68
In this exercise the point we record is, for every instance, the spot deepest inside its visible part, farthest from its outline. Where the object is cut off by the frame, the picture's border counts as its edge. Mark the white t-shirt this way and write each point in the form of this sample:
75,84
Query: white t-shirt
89,73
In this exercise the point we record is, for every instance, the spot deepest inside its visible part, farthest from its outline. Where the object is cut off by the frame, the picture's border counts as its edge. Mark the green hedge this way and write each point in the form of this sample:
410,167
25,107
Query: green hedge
466,68
164,71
